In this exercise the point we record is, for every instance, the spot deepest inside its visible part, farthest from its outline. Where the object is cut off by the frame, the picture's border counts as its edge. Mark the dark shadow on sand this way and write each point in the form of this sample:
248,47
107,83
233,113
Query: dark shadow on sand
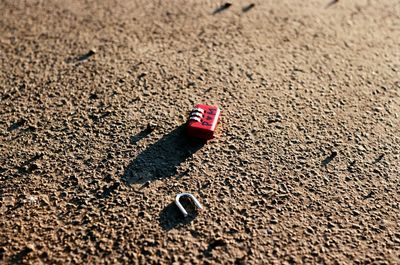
81,58
170,217
248,7
221,8
329,159
161,159
16,125
19,257
85,56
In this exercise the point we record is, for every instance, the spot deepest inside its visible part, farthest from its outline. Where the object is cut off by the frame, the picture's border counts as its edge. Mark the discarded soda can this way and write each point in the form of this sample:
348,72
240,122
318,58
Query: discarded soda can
194,200
203,120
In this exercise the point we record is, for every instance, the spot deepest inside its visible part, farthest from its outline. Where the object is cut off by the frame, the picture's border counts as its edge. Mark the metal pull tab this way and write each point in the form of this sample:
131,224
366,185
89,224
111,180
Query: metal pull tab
195,201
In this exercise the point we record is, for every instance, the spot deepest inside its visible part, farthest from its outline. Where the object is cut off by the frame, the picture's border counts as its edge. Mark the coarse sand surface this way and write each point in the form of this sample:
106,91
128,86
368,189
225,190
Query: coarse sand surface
94,96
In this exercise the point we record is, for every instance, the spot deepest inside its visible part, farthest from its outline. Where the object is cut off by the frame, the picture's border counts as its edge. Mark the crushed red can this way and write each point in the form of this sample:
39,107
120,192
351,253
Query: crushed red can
203,120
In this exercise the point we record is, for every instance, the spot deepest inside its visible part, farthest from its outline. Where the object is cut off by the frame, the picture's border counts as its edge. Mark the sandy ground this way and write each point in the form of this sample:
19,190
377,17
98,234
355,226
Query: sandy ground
305,168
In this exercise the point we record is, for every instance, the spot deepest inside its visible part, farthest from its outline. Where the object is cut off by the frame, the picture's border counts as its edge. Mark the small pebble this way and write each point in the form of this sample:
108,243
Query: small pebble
151,126
248,7
91,52
333,154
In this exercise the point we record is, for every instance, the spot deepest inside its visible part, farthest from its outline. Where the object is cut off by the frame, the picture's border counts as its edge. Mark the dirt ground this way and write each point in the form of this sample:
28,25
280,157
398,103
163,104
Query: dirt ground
305,167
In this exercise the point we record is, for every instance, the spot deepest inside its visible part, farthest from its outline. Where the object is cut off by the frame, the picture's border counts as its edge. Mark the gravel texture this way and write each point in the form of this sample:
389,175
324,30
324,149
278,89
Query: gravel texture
94,96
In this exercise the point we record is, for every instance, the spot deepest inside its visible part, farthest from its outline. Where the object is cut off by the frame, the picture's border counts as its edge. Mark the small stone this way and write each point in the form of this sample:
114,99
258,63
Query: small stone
356,213
151,126
142,75
45,200
334,153
92,52
146,184
2,252
310,230
29,248
248,7
144,215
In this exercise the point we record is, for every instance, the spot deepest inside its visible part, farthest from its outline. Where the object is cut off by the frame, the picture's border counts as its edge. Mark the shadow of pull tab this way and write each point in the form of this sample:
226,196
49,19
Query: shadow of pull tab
195,201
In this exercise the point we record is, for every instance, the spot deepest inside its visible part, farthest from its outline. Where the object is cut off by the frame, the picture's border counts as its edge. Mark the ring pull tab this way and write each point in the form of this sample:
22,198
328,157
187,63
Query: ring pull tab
195,201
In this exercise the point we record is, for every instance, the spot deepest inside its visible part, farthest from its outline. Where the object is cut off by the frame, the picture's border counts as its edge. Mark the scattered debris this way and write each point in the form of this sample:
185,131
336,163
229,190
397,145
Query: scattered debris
334,153
151,126
194,200
248,7
309,230
146,184
91,52
87,55
327,160
331,3
142,75
222,8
